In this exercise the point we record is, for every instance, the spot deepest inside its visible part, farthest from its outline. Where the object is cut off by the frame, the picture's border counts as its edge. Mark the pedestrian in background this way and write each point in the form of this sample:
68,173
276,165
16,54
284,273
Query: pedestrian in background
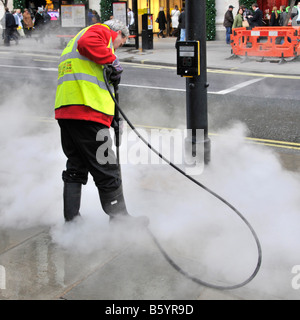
20,15
96,17
27,23
39,24
246,13
162,21
296,15
18,18
32,9
282,16
181,25
47,21
238,19
228,22
255,20
90,17
274,21
2,24
175,13
130,21
10,28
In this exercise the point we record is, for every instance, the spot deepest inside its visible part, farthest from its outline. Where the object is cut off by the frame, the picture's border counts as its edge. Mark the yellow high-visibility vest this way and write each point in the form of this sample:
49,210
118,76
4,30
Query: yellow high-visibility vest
81,81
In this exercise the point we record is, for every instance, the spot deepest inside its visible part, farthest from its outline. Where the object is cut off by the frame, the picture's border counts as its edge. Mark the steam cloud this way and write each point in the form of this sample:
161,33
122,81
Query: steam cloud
200,233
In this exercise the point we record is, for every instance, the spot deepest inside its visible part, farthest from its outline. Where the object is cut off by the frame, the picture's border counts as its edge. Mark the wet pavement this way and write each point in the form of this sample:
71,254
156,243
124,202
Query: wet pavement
87,260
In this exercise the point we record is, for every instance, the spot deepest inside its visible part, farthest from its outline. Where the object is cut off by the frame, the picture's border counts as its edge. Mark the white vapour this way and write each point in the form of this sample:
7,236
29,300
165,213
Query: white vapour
29,189
200,233
214,241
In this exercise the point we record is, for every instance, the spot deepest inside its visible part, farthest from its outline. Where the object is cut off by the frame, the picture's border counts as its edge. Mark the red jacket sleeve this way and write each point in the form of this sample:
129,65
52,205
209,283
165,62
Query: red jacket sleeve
93,44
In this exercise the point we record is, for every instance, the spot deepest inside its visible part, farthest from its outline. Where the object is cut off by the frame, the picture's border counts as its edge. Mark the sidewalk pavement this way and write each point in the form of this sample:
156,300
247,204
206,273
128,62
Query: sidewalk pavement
218,56
33,267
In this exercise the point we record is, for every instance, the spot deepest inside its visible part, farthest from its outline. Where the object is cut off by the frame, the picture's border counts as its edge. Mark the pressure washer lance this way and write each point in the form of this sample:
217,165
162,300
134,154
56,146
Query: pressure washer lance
161,249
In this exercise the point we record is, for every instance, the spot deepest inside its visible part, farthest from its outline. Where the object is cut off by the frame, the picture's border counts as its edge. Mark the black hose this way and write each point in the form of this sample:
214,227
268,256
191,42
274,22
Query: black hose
164,253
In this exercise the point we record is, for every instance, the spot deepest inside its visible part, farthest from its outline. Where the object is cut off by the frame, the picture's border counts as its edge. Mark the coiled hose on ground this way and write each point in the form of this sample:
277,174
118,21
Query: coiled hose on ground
161,249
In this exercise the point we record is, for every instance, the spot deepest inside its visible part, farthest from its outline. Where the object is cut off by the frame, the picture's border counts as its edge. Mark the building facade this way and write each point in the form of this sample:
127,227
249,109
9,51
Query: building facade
153,7
221,8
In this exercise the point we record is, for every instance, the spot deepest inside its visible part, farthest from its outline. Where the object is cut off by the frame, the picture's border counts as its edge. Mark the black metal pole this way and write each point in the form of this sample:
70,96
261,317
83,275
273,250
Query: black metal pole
136,22
196,87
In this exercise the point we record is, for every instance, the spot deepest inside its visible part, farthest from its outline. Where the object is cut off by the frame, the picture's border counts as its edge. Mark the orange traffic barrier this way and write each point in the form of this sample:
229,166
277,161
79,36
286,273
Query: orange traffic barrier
282,42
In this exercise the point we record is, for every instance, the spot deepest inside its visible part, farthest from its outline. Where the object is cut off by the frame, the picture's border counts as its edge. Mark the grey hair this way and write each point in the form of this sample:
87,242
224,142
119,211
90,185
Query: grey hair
117,25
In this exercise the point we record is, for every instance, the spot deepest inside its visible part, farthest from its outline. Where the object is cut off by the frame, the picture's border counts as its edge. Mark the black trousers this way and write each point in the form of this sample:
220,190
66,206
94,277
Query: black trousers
88,148
9,34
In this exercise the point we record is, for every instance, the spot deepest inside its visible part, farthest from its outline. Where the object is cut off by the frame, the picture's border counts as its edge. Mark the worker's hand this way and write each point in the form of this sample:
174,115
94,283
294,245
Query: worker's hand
114,72
118,126
116,64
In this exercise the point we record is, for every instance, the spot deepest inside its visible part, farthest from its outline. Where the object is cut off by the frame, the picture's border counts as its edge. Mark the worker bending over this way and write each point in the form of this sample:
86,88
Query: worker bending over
85,111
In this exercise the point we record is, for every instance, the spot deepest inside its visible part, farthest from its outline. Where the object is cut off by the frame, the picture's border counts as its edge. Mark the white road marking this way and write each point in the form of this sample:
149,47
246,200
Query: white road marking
29,67
150,87
238,86
222,92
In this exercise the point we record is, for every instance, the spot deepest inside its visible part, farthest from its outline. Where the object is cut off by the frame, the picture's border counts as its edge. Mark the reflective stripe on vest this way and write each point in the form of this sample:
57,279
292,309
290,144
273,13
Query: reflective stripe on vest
80,80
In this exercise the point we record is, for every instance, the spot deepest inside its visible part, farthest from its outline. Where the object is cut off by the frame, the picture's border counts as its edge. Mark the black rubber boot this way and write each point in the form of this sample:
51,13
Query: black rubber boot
113,204
72,197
